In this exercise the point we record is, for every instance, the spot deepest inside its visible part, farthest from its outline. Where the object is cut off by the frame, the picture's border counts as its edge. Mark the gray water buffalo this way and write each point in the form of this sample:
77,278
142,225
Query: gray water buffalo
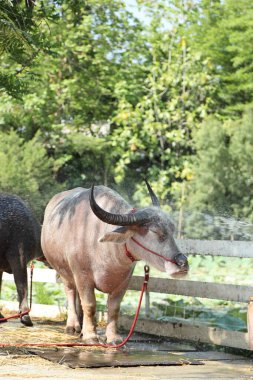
79,242
19,243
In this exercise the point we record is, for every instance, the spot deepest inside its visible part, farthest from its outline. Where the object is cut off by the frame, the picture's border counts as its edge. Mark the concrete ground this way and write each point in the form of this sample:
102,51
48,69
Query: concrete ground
27,367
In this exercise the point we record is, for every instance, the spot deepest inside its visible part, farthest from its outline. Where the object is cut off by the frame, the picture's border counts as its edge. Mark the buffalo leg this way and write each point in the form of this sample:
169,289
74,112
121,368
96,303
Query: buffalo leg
79,310
113,304
1,276
18,266
73,325
88,302
1,279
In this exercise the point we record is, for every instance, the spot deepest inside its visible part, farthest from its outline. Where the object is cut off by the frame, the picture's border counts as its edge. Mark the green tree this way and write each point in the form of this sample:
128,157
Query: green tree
240,134
155,134
115,100
20,40
92,49
223,34
223,168
26,171
212,168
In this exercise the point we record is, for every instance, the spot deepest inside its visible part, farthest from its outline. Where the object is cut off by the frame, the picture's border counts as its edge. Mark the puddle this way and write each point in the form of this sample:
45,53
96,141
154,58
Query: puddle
79,358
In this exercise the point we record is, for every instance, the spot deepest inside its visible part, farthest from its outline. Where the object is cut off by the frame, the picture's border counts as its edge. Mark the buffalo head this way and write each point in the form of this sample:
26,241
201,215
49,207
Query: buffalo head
147,233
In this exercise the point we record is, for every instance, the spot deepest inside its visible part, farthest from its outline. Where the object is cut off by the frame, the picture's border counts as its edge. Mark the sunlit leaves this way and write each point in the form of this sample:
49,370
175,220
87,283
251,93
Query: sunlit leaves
155,134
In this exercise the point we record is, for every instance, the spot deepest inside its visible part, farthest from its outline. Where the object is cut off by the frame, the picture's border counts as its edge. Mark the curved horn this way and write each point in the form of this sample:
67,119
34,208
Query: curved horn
154,198
139,217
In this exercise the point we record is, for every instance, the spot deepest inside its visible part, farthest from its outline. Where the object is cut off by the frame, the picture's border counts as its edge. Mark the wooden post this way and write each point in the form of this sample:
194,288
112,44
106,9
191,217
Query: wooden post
250,323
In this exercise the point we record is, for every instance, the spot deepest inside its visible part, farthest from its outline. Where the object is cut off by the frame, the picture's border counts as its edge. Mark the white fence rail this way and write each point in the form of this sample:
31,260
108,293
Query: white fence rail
39,275
186,331
229,292
217,247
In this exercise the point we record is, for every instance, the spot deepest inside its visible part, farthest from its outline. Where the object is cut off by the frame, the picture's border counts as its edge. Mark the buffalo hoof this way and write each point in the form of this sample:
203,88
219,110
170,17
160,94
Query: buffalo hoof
102,339
78,330
73,330
91,341
26,320
70,330
115,342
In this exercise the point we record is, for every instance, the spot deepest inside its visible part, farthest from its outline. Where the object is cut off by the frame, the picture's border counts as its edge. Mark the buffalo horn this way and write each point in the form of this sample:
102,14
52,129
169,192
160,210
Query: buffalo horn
137,218
153,197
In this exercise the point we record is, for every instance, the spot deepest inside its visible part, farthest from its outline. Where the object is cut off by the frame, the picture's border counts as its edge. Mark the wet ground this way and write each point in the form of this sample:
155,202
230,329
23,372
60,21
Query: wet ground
144,357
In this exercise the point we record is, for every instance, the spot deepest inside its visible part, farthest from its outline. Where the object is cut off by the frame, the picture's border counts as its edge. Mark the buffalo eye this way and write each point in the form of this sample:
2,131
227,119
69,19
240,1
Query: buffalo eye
143,230
160,234
162,238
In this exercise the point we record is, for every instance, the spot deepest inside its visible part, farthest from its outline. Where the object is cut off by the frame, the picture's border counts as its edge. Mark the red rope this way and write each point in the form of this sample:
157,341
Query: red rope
144,287
27,311
129,254
153,252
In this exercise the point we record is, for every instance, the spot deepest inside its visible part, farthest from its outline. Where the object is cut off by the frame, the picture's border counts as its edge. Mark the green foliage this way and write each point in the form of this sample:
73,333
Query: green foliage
154,136
240,149
26,170
229,318
223,155
13,19
73,83
43,293
212,165
223,35
21,38
116,99
9,291
92,155
48,294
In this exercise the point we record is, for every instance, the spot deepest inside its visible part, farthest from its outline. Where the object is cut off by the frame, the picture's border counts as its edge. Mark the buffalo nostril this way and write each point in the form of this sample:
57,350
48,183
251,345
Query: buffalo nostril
181,260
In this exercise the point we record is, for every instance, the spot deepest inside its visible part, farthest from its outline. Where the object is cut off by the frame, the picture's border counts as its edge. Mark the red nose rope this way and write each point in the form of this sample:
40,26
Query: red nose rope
19,315
148,250
131,257
144,287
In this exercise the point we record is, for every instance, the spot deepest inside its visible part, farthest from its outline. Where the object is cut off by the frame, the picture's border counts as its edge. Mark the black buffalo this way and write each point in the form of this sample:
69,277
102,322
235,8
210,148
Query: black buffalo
19,243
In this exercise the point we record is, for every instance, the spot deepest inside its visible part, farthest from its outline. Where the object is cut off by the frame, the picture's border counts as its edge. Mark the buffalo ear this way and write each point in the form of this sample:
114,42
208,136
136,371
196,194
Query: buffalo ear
119,235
